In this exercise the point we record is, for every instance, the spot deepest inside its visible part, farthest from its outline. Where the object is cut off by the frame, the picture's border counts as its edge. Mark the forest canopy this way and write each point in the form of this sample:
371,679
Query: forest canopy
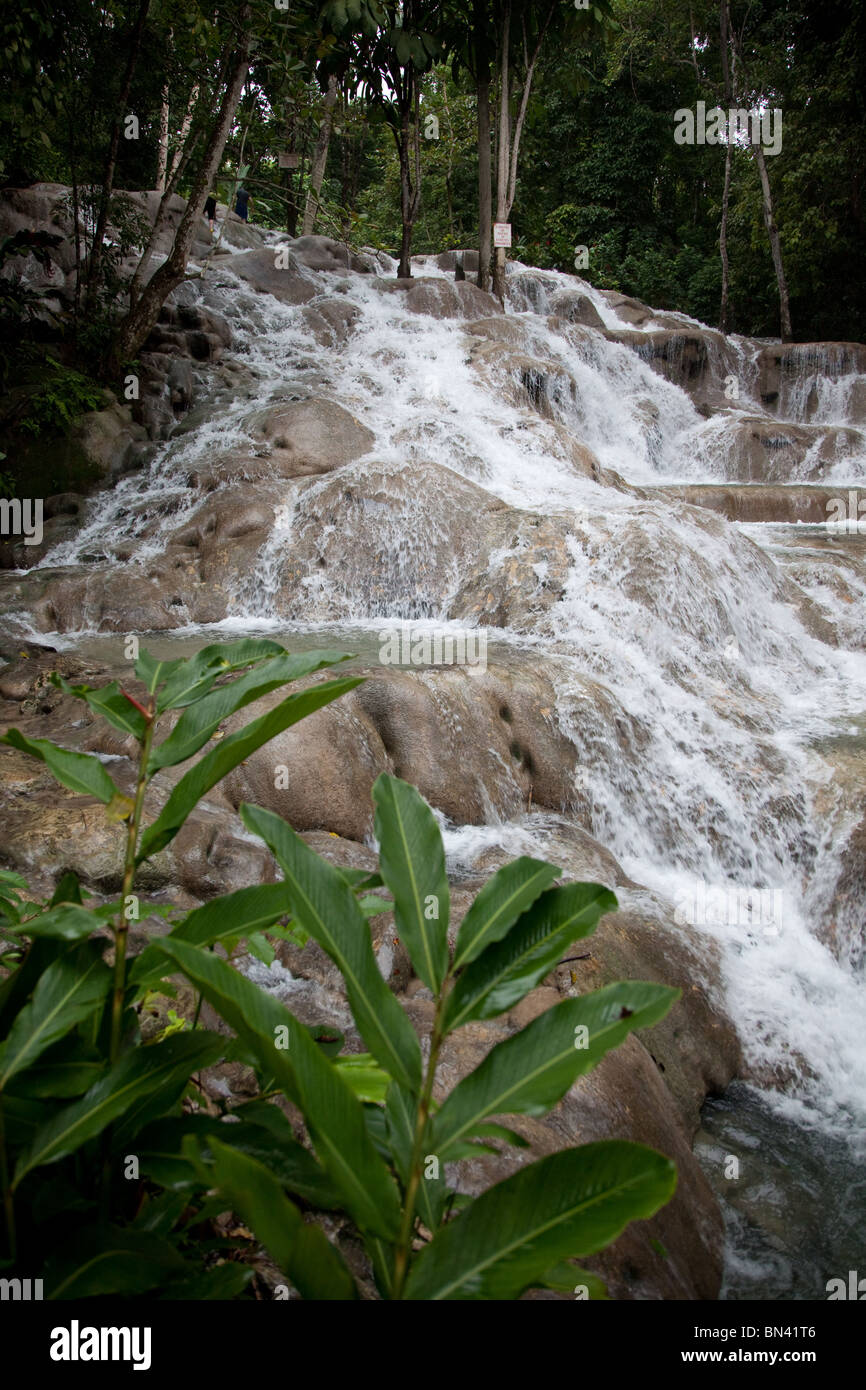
378,107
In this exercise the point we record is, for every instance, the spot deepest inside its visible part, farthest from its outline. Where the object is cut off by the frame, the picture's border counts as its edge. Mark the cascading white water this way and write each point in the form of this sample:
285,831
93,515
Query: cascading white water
719,686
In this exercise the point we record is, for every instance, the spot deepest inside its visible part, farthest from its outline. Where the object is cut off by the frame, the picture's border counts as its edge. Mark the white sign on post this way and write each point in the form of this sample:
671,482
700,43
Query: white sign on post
501,233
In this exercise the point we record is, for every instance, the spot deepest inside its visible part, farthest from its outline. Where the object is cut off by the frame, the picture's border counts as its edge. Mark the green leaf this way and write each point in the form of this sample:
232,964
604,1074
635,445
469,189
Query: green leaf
570,1278
334,1117
108,1260
65,923
63,1071
160,1071
214,765
529,1073
110,703
188,680
301,1249
324,905
152,672
69,990
200,720
412,863
80,772
243,913
570,1204
500,977
225,1281
266,1134
68,890
510,891
364,1077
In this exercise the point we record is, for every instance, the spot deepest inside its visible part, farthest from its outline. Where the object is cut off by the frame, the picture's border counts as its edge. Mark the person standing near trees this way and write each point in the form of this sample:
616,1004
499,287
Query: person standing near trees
242,204
210,212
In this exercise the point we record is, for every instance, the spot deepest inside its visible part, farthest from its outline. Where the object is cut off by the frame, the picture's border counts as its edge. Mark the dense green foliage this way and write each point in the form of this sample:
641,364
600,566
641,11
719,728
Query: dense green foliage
598,164
114,1130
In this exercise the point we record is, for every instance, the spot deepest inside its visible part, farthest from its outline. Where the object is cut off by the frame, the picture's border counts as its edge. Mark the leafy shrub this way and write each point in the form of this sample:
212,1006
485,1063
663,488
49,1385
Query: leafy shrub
98,1124
59,400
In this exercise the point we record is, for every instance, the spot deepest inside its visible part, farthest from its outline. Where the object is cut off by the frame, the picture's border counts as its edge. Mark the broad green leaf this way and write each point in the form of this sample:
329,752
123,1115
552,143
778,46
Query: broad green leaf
412,862
500,977
224,1282
510,891
13,880
266,1134
364,1077
68,922
199,721
243,913
160,1071
110,703
334,1117
191,678
108,1260
580,1283
301,1249
23,1117
80,772
68,890
154,672
63,1071
324,905
530,1073
568,1205
70,989
214,765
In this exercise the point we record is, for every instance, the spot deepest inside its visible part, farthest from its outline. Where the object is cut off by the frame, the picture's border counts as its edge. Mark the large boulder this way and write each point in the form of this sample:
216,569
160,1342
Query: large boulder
754,501
790,376
310,437
758,449
275,271
440,298
323,253
375,537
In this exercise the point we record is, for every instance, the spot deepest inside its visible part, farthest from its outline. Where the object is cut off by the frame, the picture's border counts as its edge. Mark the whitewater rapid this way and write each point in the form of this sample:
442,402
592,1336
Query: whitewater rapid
723,690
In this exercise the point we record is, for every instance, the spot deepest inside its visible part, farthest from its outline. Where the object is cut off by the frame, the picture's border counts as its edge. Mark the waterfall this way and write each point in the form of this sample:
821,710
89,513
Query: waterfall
733,658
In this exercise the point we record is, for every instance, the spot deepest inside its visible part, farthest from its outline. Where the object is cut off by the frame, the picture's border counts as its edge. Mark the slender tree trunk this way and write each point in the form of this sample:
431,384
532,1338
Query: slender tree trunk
727,60
503,151
185,128
135,328
723,243
410,195
183,154
485,188
320,158
775,244
162,145
96,256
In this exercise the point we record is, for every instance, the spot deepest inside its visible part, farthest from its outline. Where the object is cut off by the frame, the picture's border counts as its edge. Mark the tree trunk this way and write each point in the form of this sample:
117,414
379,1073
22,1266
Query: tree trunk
775,244
111,163
723,243
182,156
162,145
320,158
503,151
485,188
185,127
410,196
727,59
135,328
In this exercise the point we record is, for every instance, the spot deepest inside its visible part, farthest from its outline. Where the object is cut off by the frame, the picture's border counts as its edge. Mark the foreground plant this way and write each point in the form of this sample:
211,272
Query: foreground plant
97,1124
